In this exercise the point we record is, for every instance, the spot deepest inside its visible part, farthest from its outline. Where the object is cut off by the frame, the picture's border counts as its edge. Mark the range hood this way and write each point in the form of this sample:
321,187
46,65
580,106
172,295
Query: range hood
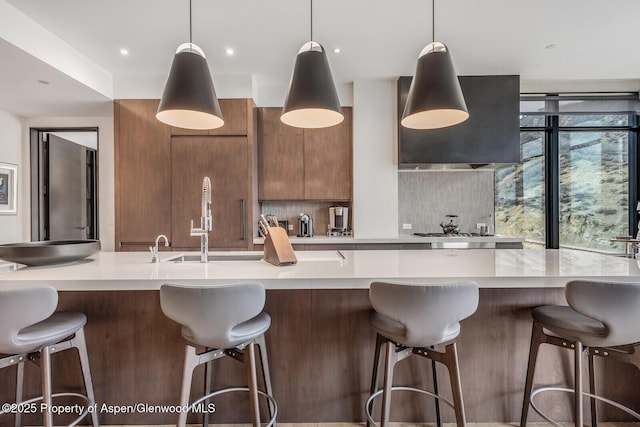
490,135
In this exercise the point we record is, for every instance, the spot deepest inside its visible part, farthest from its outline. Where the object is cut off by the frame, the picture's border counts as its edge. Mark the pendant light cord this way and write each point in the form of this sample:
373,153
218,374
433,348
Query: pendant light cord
433,21
311,20
190,26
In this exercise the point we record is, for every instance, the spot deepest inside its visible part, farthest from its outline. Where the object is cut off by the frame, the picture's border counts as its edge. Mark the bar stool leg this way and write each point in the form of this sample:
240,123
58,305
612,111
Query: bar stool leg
374,376
80,343
45,372
190,362
435,391
266,376
389,363
19,386
250,365
451,361
537,338
208,369
592,390
578,383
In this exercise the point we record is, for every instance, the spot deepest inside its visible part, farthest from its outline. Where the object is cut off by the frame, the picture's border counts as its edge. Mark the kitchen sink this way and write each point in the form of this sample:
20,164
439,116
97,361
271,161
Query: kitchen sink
217,257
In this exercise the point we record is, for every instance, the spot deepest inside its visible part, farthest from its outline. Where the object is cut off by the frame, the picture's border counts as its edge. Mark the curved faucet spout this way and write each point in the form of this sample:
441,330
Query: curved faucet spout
155,255
162,236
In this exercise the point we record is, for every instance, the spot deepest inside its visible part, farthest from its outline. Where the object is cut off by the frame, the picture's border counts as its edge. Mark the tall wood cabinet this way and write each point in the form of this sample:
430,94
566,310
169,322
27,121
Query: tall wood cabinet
142,174
309,164
225,160
159,173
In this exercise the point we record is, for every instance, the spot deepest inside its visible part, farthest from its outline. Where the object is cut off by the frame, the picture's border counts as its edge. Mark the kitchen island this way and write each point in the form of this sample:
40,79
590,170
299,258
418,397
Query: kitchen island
320,343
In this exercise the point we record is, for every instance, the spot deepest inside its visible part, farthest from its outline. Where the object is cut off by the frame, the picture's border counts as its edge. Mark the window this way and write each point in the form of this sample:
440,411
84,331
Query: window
576,184
594,188
520,192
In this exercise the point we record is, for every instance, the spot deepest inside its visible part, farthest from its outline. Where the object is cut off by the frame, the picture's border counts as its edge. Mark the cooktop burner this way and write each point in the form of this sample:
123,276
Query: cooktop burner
451,235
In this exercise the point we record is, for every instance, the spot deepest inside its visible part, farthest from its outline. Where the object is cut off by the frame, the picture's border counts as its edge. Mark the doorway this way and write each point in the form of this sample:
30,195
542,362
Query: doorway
64,189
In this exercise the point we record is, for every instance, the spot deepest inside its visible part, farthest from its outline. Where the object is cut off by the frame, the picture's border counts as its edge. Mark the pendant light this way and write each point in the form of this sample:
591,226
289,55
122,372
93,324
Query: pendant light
189,99
435,98
312,100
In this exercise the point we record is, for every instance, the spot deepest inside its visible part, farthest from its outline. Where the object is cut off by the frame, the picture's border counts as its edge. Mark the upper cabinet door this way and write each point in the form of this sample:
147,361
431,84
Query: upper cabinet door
310,164
280,158
328,161
234,113
142,173
225,160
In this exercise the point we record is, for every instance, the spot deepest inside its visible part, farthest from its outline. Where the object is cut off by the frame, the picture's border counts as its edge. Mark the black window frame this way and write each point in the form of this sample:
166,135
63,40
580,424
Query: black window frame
552,129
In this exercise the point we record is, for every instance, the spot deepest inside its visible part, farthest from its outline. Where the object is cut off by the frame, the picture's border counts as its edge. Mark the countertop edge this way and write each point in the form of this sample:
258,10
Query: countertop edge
325,240
346,269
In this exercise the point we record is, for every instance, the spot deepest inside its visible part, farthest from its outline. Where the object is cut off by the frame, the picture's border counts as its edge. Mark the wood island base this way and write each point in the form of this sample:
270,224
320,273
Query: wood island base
321,353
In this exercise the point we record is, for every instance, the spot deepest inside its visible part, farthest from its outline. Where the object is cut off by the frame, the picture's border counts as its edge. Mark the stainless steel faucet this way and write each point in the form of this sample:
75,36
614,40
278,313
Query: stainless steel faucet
155,255
206,221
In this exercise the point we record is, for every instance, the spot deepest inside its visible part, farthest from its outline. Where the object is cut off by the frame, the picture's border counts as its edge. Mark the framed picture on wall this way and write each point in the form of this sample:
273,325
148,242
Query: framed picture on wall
8,189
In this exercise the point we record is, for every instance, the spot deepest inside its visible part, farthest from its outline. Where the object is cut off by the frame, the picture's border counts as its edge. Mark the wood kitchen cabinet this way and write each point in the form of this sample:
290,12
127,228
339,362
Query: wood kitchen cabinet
225,160
304,164
234,114
158,177
328,161
280,158
142,174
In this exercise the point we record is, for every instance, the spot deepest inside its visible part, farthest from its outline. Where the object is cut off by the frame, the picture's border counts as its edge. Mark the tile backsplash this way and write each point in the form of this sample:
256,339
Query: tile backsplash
290,211
425,197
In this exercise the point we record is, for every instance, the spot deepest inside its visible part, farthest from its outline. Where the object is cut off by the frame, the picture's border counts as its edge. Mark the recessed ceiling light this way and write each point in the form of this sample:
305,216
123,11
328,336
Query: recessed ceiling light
44,82
550,47
124,52
229,51
337,50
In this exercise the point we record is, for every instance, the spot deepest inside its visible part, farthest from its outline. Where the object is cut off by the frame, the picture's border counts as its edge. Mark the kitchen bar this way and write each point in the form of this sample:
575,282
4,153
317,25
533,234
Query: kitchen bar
320,343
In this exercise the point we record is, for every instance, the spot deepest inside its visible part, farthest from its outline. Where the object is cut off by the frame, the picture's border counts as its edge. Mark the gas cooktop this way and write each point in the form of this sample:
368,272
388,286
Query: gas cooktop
452,235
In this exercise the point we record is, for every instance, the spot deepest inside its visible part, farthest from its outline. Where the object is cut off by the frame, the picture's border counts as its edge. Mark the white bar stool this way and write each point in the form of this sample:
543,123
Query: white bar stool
413,320
226,321
602,320
31,330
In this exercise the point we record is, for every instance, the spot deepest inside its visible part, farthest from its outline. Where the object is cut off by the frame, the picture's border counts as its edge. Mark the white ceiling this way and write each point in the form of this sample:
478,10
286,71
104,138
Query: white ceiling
379,39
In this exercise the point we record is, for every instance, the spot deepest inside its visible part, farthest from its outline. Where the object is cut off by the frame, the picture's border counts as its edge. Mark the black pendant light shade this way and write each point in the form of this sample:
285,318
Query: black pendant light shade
435,98
189,99
312,100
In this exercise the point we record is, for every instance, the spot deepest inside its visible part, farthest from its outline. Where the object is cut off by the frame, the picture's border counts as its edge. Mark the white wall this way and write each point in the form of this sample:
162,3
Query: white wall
11,226
106,198
375,152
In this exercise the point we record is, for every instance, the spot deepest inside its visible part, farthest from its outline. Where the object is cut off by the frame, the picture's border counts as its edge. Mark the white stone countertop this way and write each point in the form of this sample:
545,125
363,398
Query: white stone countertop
490,268
403,238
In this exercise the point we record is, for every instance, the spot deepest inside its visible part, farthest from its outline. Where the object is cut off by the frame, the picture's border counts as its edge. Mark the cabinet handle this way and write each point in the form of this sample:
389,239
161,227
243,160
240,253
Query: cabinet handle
244,218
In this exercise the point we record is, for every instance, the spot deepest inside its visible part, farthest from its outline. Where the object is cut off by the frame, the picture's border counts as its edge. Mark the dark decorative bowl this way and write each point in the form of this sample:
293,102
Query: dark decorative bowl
48,252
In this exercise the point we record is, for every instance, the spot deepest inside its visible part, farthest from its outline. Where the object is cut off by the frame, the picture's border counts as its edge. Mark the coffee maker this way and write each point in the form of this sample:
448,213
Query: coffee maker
305,224
338,219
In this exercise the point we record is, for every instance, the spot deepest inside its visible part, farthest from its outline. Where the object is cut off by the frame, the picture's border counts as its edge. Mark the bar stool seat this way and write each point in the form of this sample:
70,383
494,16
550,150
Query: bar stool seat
414,320
396,331
49,331
566,322
31,330
226,321
601,320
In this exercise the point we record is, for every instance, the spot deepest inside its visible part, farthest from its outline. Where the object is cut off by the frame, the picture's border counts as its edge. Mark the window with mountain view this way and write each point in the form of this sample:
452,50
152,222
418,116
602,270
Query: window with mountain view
519,192
591,184
594,189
